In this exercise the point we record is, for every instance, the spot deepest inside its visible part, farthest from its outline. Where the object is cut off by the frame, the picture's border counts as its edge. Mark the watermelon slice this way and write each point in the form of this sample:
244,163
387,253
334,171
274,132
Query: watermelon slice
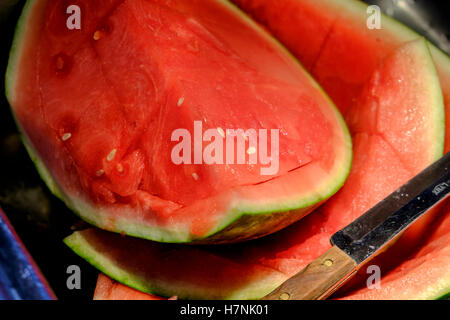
100,109
333,42
250,270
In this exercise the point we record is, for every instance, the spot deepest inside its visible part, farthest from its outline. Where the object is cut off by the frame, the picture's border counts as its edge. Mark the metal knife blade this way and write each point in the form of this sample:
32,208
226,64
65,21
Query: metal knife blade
368,235
371,232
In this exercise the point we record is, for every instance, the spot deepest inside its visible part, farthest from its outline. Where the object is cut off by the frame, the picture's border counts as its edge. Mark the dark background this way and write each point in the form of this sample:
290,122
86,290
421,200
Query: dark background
42,221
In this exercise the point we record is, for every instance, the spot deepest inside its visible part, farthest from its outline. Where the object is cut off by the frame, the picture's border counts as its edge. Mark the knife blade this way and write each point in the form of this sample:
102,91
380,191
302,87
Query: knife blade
367,236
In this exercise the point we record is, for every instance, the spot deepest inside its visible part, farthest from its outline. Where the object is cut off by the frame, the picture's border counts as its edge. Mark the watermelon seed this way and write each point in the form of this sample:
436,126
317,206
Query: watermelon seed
97,35
180,101
111,155
100,172
66,136
285,296
195,176
119,167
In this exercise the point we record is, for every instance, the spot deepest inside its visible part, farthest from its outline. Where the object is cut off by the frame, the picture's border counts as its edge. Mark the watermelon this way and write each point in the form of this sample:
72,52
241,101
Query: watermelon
109,113
407,77
333,42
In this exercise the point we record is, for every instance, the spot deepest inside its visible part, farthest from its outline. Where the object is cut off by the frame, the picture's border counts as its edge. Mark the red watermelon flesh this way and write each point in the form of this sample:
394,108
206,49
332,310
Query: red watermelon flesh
98,108
265,263
333,42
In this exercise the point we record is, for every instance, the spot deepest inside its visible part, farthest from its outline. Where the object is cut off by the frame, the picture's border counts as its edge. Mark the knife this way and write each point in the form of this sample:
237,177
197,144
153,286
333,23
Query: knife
368,235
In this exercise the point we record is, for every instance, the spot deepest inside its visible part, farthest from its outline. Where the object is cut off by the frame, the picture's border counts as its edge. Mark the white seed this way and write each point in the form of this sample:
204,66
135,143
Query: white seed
66,136
221,132
111,155
251,150
100,172
97,35
195,176
119,167
180,101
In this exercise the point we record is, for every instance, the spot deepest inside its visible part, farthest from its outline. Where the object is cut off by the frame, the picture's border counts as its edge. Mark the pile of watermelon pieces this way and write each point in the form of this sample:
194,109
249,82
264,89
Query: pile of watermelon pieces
390,85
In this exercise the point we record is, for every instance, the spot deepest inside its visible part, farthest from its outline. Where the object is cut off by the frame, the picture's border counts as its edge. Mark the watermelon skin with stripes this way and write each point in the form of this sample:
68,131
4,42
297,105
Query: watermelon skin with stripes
98,108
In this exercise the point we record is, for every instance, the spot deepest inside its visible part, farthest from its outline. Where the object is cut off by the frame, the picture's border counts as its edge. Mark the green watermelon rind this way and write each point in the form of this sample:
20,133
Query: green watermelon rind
97,260
81,246
237,212
439,111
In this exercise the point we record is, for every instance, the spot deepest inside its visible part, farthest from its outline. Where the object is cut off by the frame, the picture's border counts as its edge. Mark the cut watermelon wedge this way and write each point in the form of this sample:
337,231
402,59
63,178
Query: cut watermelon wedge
385,133
100,110
333,42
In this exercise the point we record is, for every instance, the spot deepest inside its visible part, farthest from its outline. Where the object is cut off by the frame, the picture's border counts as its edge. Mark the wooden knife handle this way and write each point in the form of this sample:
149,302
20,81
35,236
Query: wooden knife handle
319,279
